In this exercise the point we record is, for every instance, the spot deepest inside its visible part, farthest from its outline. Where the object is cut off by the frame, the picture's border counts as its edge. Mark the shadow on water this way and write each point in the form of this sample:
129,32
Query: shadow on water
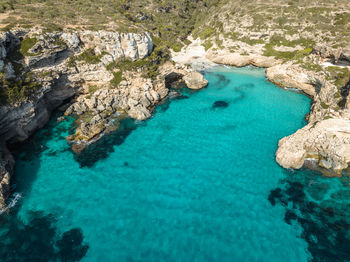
241,91
165,106
322,213
38,239
28,154
105,146
220,80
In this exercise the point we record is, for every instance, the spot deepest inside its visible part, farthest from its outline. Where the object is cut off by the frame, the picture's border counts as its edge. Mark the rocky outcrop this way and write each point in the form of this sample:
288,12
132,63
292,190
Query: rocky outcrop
135,97
114,46
234,59
102,111
327,142
324,141
291,76
6,168
335,56
75,66
195,80
48,61
19,122
110,46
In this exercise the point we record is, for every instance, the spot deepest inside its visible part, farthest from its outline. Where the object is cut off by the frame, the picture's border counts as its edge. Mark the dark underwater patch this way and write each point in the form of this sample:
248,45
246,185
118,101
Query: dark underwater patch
36,144
325,223
289,216
180,97
220,104
38,240
241,91
222,81
103,147
165,106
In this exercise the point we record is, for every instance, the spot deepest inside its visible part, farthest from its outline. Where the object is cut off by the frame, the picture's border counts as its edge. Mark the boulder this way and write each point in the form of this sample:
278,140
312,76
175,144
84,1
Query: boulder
139,112
72,39
195,80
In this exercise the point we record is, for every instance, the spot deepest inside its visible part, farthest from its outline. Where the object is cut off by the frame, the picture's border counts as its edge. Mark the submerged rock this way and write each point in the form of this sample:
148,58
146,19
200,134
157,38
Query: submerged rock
220,104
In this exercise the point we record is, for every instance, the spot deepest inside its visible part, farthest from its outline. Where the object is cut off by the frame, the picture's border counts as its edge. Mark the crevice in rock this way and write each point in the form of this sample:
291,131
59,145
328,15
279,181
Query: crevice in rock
344,92
173,79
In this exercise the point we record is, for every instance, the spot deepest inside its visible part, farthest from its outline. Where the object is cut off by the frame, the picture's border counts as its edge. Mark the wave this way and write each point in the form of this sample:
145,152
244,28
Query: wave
13,201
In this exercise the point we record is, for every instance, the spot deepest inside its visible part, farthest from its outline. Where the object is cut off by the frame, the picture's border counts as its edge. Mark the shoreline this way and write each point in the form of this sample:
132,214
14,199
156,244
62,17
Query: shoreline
100,94
289,77
139,96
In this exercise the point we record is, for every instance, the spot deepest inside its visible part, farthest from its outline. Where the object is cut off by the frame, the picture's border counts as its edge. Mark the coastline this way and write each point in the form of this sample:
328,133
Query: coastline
138,96
83,82
325,140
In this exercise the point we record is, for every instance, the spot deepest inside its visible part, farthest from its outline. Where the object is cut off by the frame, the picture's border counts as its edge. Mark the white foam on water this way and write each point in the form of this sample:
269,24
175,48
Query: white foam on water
16,197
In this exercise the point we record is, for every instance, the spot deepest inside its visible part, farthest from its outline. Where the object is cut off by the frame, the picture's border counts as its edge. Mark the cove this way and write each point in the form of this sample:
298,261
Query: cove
196,182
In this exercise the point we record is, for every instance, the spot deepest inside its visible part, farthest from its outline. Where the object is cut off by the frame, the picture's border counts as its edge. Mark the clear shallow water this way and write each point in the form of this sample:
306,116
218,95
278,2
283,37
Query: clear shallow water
197,182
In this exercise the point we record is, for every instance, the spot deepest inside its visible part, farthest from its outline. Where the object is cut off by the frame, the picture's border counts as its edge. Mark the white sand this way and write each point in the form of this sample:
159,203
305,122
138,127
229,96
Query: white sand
194,55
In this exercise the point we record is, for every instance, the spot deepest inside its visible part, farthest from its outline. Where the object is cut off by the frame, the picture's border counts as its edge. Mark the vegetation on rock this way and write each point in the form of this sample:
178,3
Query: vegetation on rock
13,91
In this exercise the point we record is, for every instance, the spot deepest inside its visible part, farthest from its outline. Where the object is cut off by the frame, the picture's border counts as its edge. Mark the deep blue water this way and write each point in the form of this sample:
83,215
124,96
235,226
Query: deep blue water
196,182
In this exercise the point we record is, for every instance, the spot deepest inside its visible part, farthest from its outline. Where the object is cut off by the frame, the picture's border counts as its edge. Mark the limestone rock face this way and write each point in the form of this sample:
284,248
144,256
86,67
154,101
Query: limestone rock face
290,76
195,80
327,53
238,60
327,142
48,60
6,168
7,41
135,97
130,46
71,39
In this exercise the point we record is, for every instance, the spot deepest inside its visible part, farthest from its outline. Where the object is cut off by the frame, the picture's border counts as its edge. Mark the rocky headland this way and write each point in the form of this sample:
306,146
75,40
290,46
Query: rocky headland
95,76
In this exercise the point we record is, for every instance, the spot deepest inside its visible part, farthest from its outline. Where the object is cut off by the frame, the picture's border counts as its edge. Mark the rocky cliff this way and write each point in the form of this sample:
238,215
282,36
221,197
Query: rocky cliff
83,73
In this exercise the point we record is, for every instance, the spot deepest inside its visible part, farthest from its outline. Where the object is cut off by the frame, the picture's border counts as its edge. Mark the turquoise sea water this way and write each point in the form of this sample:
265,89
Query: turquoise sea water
196,182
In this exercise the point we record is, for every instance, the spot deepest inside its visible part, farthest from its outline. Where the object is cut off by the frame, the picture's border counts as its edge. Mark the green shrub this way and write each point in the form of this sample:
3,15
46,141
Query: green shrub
187,42
6,5
26,45
177,46
90,57
340,76
118,77
324,105
204,33
207,45
284,55
51,27
92,89
15,91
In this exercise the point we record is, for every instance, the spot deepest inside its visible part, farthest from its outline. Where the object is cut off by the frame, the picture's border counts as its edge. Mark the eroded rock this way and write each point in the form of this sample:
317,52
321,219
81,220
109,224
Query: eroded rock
327,142
195,80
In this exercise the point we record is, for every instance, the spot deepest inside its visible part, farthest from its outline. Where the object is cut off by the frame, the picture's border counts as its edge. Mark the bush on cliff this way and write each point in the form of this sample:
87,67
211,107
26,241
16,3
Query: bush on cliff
13,91
26,45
